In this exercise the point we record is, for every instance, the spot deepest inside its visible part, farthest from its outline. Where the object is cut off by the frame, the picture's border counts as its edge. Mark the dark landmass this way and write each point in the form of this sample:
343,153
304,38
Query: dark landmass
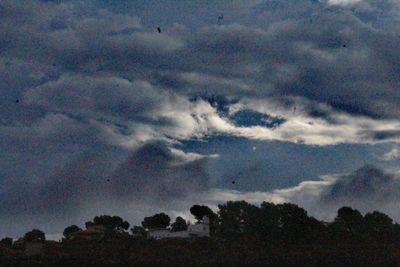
241,235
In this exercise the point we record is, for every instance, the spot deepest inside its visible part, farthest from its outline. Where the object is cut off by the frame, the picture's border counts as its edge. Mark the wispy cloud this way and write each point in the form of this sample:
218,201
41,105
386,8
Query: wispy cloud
392,154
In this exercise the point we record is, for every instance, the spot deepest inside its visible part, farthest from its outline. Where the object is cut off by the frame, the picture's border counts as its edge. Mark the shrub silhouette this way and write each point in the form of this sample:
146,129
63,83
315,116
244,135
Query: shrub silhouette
138,231
160,220
6,242
110,222
70,231
179,225
35,235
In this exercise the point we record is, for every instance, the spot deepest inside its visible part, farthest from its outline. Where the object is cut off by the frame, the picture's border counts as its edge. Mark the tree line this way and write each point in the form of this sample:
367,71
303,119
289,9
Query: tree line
242,234
273,221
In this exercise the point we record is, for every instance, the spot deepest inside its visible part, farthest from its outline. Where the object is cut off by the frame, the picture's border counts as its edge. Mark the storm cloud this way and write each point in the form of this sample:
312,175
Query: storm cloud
107,64
95,101
366,189
153,175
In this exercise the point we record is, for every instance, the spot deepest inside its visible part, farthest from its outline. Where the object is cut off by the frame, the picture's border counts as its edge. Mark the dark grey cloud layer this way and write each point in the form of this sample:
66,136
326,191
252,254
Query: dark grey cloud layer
366,189
93,99
337,58
153,176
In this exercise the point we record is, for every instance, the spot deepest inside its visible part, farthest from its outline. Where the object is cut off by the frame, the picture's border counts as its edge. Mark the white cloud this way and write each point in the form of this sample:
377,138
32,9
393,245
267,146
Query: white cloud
186,157
391,155
302,128
343,2
305,192
147,114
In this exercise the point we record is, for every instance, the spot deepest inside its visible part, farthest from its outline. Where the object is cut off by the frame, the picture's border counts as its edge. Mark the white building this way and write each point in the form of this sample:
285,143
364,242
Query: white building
93,232
199,229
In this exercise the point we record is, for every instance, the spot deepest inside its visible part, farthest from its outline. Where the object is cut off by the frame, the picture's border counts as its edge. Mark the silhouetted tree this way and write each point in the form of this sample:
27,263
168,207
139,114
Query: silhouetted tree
268,219
35,235
160,220
7,242
396,232
378,223
200,211
295,225
138,231
179,225
237,217
70,231
348,219
110,222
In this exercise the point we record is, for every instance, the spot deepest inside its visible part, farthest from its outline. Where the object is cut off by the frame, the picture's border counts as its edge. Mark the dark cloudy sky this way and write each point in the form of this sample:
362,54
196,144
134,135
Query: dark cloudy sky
102,114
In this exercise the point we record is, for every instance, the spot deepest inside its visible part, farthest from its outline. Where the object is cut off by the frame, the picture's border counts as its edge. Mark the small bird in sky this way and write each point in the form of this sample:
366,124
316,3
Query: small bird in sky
159,29
220,17
17,101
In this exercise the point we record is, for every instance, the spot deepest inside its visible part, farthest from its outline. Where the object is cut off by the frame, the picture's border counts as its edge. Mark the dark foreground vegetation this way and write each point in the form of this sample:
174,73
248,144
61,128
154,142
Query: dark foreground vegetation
241,235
